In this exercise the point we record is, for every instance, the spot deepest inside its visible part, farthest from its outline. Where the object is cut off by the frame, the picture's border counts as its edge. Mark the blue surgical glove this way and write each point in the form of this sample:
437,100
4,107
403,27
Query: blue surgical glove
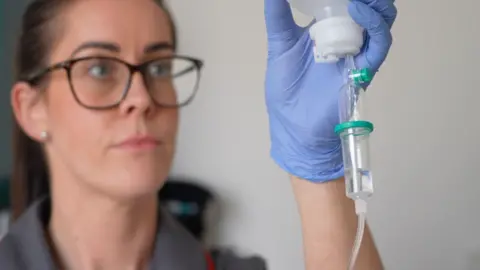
302,96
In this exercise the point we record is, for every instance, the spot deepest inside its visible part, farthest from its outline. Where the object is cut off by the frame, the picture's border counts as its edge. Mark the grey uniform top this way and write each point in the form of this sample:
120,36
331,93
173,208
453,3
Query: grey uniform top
26,248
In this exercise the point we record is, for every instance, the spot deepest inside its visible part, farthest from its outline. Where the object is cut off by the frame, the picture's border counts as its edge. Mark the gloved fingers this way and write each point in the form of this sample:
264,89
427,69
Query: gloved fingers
279,21
385,7
278,16
379,35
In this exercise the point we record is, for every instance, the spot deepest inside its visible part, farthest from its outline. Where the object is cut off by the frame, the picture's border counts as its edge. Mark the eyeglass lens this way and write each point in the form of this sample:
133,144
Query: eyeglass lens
100,82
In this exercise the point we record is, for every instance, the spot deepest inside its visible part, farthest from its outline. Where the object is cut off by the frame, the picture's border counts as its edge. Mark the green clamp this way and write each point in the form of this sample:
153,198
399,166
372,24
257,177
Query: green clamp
361,76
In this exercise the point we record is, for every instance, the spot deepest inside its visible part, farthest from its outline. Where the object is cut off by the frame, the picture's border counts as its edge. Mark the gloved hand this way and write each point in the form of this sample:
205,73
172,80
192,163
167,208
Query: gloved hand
302,96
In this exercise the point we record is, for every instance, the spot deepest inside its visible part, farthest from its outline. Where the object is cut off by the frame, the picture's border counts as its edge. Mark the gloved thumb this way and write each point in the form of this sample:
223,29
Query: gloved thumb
379,35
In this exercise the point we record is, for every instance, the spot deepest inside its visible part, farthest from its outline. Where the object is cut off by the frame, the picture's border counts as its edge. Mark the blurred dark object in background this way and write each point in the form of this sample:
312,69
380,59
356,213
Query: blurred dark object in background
188,203
4,193
4,205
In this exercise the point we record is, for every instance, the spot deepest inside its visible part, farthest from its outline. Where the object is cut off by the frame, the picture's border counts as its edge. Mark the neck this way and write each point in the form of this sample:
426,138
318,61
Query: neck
93,232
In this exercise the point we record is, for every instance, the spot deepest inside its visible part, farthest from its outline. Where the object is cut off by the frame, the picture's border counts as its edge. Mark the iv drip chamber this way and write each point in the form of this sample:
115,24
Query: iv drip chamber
355,136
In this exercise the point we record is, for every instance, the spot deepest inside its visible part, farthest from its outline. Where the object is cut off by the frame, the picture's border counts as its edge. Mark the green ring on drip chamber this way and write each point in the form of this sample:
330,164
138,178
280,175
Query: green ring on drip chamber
353,124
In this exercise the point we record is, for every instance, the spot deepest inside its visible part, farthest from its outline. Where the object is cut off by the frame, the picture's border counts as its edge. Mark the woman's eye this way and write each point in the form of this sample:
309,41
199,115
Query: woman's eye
159,70
99,71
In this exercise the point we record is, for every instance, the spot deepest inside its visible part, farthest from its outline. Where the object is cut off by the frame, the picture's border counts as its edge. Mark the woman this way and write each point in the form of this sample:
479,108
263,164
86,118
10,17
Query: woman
96,104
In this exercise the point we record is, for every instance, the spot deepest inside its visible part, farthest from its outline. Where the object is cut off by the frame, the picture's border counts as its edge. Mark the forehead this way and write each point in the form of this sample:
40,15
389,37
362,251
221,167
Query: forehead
131,24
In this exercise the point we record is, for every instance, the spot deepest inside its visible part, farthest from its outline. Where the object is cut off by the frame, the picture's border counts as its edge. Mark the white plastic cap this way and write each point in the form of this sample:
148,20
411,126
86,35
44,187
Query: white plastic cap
335,38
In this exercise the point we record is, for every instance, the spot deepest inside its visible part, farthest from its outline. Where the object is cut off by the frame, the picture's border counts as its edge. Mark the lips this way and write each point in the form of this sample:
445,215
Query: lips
139,143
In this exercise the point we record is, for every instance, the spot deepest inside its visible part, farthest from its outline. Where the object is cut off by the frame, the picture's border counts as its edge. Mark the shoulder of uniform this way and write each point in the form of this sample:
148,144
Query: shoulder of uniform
9,257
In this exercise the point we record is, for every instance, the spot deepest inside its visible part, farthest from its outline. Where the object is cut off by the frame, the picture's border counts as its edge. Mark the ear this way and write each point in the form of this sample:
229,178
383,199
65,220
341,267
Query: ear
29,109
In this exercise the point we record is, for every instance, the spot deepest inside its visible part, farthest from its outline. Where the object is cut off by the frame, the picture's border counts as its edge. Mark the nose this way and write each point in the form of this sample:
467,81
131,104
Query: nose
138,100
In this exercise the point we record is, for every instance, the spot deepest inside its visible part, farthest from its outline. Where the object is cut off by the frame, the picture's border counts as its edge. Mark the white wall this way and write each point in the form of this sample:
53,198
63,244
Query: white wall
423,102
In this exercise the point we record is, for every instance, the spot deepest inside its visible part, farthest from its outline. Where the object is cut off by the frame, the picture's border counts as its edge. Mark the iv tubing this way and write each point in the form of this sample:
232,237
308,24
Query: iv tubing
361,210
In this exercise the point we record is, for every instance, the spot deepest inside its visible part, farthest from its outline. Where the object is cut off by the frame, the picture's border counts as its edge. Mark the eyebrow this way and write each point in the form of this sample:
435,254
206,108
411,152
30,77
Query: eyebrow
107,46
113,47
158,46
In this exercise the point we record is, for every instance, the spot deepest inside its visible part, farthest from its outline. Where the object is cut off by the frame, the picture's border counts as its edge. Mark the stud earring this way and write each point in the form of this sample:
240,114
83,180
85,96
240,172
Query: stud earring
44,135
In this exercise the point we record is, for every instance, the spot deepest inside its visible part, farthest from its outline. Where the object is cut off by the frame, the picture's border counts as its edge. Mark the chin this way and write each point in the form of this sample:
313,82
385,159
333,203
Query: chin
129,175
131,183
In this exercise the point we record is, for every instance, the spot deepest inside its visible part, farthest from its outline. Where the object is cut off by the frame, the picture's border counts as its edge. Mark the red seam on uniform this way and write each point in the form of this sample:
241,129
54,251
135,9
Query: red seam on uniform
210,264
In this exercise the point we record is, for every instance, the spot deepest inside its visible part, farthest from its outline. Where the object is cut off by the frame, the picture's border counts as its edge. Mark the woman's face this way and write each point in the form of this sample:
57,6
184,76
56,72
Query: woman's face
127,150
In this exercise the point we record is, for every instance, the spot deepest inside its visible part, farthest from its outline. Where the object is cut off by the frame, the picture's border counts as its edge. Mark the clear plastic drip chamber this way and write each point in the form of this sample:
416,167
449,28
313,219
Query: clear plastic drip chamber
335,33
355,137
